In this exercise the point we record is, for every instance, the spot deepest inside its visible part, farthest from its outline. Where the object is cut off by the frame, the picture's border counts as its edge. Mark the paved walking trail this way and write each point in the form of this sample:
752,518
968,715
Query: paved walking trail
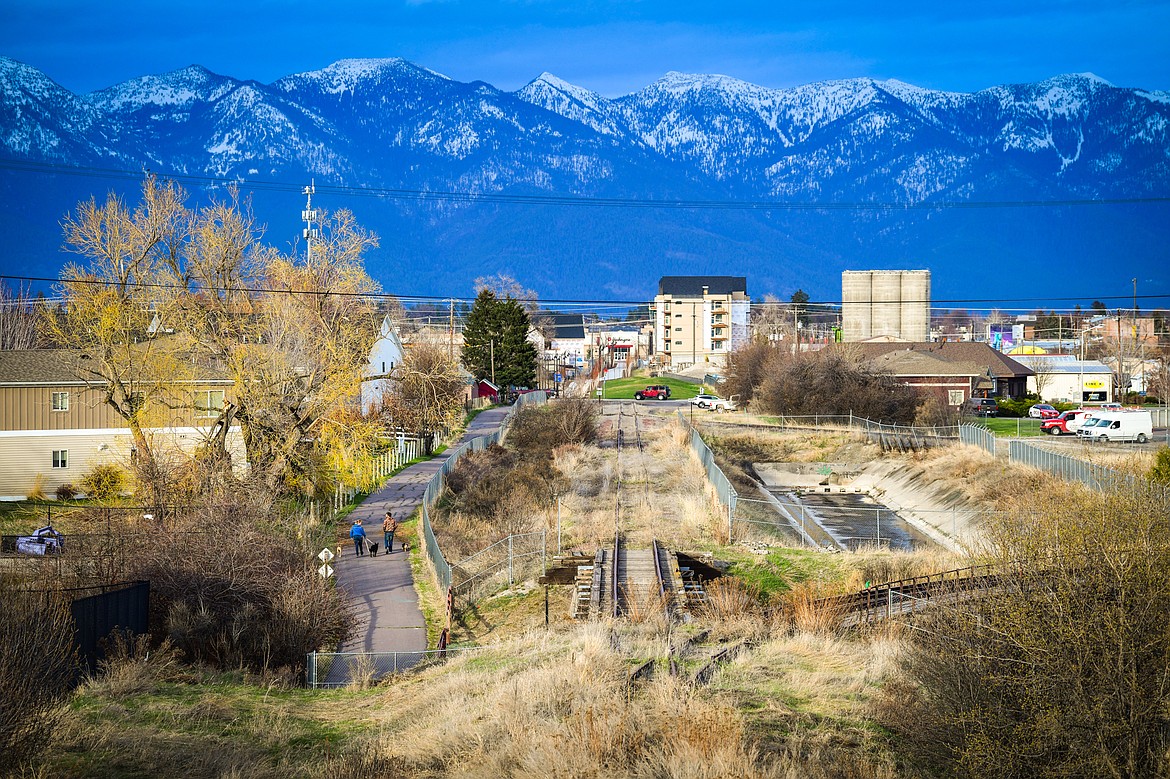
381,588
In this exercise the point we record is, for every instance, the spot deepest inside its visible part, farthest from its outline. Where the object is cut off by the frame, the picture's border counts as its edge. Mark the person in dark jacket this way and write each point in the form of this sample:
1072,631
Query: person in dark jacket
358,534
389,527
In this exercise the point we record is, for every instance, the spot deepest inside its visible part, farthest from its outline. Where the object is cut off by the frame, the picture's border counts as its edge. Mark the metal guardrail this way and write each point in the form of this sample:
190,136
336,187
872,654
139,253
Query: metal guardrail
906,596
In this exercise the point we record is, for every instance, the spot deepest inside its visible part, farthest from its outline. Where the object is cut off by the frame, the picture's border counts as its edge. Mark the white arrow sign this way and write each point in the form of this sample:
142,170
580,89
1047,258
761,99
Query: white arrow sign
325,555
325,570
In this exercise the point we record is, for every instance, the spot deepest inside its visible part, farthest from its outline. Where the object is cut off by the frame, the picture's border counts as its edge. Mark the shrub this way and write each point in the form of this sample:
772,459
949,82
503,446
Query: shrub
37,491
37,655
103,482
1160,471
232,591
536,432
832,381
65,492
1072,641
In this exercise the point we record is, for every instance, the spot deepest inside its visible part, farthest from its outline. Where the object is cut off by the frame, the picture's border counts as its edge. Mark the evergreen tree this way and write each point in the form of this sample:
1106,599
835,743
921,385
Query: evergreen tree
496,336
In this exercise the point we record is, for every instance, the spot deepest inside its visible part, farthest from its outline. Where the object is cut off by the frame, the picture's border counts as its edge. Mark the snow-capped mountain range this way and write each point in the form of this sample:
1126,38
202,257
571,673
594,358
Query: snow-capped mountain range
390,124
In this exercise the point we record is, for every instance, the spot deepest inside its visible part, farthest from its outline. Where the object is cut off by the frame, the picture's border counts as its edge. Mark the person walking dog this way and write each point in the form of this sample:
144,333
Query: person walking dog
389,526
358,534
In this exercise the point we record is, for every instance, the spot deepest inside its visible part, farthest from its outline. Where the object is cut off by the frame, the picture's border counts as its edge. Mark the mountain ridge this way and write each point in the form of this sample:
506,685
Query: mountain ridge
392,124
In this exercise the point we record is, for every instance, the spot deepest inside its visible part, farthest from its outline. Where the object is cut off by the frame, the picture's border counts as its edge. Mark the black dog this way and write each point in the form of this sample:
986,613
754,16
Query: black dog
373,548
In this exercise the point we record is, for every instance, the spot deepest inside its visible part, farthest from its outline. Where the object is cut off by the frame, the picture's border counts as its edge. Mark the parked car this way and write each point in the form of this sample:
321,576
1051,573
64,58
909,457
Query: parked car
1043,411
704,400
981,407
653,392
1066,424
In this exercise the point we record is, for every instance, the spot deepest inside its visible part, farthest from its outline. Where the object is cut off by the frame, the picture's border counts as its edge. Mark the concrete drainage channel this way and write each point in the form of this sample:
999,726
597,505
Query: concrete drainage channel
852,521
846,507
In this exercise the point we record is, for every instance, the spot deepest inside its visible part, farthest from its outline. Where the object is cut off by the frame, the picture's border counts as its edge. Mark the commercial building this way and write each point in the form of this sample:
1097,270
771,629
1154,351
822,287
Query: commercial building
1065,379
889,305
699,320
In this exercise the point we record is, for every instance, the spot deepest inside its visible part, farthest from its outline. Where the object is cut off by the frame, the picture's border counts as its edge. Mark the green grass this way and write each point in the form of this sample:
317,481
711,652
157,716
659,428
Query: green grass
624,389
1009,427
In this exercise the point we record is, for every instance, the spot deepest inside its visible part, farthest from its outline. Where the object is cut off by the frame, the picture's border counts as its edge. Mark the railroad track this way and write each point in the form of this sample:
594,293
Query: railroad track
640,580
907,596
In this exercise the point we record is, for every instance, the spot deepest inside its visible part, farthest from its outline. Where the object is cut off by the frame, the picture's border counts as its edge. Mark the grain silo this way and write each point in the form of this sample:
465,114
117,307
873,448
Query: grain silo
915,316
885,304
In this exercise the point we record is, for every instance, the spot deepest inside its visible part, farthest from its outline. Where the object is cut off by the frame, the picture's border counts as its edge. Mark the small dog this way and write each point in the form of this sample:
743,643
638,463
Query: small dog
405,546
373,549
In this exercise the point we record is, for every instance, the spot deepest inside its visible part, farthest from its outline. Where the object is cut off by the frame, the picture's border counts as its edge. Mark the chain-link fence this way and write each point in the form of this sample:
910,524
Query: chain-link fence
519,556
978,435
1097,477
434,489
343,669
715,475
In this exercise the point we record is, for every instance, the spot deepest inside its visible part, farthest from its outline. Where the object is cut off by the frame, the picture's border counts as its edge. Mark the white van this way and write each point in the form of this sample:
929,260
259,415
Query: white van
1118,426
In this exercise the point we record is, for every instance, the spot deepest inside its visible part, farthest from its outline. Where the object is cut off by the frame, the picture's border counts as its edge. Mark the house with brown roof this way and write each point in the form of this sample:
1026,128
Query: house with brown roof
55,425
973,368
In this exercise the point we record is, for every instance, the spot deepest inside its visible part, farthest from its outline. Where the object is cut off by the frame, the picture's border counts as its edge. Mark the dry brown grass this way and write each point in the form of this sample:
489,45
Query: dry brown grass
805,698
561,708
807,613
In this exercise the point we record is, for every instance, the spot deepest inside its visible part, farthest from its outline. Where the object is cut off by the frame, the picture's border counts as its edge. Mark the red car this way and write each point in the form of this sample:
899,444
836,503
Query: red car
654,392
1043,411
1065,424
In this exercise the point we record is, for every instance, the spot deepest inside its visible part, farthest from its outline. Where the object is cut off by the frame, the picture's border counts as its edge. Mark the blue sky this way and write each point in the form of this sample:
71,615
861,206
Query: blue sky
611,46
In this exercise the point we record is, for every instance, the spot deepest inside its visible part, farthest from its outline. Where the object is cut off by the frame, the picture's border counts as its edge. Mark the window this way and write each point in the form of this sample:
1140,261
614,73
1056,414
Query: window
717,318
955,397
717,345
678,329
60,458
678,316
678,343
208,404
60,401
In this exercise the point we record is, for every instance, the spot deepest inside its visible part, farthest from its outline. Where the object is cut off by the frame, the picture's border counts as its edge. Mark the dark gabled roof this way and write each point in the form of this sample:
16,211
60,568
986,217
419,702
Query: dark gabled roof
961,352
63,366
908,362
692,286
563,326
39,366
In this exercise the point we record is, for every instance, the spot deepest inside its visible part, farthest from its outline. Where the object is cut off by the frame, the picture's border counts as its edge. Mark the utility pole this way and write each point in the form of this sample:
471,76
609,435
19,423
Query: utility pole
310,216
451,336
492,348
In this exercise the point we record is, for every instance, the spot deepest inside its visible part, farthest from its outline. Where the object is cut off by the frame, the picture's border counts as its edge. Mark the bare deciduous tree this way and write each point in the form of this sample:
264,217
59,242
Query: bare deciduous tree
20,320
428,391
110,307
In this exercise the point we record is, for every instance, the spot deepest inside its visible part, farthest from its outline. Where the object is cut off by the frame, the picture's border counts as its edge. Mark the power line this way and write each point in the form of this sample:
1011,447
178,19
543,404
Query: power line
592,305
452,196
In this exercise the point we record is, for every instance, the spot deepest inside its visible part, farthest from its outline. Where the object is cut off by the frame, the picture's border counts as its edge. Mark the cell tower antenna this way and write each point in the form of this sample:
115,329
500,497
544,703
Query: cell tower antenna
310,216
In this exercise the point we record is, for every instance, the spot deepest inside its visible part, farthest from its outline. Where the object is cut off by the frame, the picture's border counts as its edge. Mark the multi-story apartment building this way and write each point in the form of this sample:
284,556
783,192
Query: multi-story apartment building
699,319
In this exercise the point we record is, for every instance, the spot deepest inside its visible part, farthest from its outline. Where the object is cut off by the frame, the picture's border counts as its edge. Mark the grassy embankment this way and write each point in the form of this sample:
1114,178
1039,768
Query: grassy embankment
624,389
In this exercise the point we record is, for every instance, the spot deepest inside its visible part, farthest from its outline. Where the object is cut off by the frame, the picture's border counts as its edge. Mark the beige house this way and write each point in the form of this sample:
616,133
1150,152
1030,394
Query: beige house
699,319
54,427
